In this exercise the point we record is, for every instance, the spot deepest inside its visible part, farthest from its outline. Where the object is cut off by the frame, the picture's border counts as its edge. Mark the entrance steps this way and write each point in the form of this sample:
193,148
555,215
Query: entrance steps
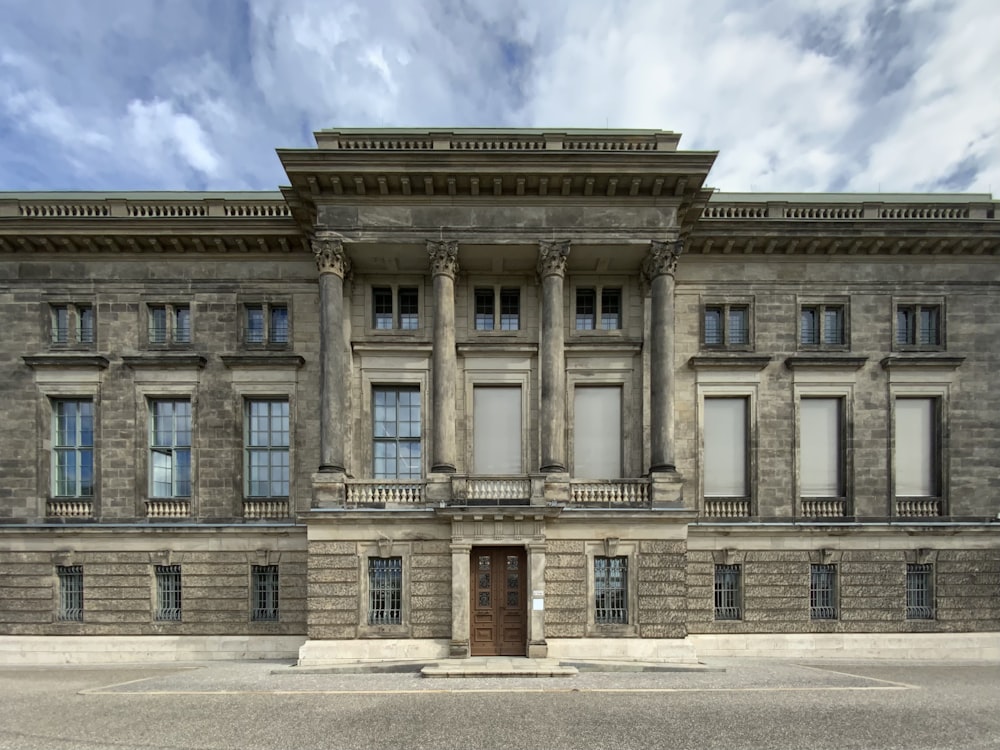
498,666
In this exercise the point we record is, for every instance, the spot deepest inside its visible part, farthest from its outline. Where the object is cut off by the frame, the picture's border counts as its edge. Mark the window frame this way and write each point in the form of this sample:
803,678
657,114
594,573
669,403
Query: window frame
171,337
598,292
938,396
70,596
384,549
928,610
842,391
613,548
271,449
395,291
820,307
77,448
824,602
164,596
748,397
397,388
265,593
495,292
73,333
174,448
730,591
725,309
915,307
269,336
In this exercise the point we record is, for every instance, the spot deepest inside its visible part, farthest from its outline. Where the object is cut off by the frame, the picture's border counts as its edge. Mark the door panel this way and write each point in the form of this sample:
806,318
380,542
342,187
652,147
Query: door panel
499,601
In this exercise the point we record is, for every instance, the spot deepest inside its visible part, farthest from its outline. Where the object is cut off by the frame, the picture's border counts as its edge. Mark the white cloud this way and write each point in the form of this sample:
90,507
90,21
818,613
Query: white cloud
156,127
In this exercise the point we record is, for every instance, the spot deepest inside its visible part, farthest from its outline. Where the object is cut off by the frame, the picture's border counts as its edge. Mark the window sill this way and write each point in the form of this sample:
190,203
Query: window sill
263,359
729,360
66,359
165,361
825,361
942,361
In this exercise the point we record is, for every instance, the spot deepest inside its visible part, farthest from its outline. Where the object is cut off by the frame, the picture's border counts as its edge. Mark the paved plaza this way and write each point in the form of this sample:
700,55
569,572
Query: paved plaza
731,704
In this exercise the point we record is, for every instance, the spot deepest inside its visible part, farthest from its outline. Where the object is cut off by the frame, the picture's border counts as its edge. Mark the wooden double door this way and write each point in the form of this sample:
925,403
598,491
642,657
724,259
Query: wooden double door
499,601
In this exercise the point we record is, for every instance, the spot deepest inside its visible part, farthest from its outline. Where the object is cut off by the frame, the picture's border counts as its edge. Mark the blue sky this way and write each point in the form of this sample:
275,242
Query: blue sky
858,95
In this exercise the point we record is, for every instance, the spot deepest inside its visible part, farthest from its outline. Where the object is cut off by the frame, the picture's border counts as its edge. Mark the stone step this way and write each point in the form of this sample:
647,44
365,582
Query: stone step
498,666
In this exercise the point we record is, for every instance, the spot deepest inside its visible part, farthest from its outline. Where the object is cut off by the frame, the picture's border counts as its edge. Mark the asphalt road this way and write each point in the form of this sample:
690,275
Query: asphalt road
772,705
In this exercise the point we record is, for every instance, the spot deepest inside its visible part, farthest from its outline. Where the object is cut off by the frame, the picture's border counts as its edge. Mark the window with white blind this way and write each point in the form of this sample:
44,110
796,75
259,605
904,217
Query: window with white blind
725,447
821,456
916,461
597,432
496,430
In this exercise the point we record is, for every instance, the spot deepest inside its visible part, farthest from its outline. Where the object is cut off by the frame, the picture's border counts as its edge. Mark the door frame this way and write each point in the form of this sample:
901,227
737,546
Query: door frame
500,550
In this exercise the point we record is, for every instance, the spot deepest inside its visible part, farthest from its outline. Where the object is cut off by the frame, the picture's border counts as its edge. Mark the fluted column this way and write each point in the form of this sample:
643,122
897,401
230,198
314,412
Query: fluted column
333,265
552,257
444,267
658,271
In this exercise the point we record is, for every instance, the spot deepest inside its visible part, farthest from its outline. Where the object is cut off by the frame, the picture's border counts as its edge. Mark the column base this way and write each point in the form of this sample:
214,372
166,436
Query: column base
331,469
663,469
458,650
443,469
329,489
666,489
552,469
538,650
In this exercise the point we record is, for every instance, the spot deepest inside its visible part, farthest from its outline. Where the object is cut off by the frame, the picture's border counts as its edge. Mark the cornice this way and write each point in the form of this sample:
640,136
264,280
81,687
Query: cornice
66,360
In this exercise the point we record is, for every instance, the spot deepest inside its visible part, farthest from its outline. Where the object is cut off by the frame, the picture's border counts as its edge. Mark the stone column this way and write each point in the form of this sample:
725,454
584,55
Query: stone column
460,611
444,267
333,265
537,647
658,271
552,417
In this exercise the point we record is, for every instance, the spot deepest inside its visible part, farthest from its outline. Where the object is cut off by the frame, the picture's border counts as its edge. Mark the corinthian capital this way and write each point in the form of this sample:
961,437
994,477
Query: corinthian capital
552,255
330,256
662,259
444,257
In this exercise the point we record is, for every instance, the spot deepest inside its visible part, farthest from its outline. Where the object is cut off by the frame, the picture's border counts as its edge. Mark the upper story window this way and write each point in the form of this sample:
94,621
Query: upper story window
598,308
822,326
73,448
497,309
919,326
726,326
169,324
71,324
170,448
265,323
267,441
396,432
395,310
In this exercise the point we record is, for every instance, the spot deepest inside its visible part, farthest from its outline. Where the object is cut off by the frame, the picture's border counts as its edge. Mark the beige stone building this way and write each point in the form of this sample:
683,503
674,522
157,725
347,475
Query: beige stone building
498,392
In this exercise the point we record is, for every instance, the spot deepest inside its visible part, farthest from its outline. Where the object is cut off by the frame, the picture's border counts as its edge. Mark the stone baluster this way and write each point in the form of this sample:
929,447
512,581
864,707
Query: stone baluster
552,257
444,267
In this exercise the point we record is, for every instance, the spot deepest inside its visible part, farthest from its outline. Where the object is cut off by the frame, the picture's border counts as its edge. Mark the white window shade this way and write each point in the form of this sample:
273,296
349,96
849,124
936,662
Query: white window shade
820,447
597,432
725,471
496,428
916,452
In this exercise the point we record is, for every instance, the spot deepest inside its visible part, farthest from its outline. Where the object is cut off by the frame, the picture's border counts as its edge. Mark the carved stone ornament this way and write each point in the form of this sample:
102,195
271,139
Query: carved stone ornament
330,256
552,255
444,257
662,259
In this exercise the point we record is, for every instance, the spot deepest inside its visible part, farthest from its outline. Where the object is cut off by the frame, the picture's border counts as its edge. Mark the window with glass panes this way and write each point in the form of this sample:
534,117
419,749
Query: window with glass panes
267,443
170,448
822,326
71,324
726,326
169,324
385,590
73,448
918,326
611,590
489,300
396,432
395,310
70,593
265,323
590,315
264,590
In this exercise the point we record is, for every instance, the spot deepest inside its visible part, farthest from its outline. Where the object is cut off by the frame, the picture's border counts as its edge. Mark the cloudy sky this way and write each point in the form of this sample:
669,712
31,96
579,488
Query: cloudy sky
855,95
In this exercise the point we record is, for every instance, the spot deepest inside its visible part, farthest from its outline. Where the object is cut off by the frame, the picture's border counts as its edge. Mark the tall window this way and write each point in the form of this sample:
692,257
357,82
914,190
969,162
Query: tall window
490,301
265,323
496,434
823,592
168,593
822,326
73,448
728,592
396,433
917,456
726,326
169,324
725,447
611,590
267,440
385,590
597,432
264,593
170,448
919,592
70,593
608,313
71,324
821,447
918,327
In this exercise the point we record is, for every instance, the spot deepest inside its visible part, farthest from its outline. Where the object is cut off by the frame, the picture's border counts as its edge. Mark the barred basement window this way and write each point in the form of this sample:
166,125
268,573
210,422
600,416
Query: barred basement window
385,590
919,592
728,599
168,593
70,593
823,592
611,590
264,582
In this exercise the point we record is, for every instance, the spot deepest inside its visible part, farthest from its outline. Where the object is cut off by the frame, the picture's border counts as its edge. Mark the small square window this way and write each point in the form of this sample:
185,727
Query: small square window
395,309
919,327
385,590
168,593
823,592
70,593
728,592
489,301
168,324
726,326
919,592
264,590
266,324
611,590
822,326
598,308
71,324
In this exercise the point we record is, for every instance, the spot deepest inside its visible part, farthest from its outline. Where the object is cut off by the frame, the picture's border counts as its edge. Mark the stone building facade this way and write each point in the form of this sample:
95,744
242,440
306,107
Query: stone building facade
498,392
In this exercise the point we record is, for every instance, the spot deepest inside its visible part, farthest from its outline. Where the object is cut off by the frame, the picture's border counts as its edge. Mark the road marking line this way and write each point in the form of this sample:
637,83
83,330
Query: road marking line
105,691
860,676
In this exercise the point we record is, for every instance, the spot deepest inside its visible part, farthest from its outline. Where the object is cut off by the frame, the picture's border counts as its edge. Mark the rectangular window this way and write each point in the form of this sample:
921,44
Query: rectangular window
85,324
382,308
510,309
919,592
60,324
264,590
267,440
70,593
408,309
918,327
255,324
728,596
586,309
73,448
916,464
266,323
396,433
170,448
597,432
496,430
182,324
278,329
823,592
489,301
822,326
484,309
611,590
821,448
589,314
385,590
725,447
168,593
400,311
169,324
726,326
611,309
157,324
71,324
